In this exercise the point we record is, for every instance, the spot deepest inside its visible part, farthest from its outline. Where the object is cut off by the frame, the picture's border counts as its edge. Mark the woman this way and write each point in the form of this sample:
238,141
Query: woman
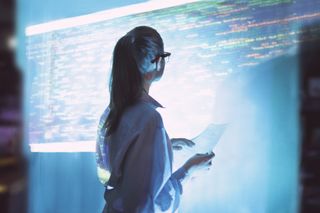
133,146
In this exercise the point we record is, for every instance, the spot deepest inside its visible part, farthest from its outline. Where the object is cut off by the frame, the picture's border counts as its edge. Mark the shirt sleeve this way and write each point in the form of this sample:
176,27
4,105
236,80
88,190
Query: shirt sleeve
101,151
148,183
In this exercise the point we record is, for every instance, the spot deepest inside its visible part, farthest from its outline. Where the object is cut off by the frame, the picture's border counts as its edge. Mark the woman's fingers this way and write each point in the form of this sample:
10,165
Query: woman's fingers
188,142
200,161
207,158
209,155
176,147
183,142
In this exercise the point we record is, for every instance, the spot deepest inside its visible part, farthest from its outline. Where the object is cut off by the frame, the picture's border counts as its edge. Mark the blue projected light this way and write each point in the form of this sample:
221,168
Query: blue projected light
232,62
69,63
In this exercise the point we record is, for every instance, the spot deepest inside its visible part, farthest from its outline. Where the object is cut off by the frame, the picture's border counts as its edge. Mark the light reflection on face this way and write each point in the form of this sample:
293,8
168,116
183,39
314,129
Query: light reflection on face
159,73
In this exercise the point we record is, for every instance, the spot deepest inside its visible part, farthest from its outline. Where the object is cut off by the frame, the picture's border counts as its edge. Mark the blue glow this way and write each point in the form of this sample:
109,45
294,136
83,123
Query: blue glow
233,63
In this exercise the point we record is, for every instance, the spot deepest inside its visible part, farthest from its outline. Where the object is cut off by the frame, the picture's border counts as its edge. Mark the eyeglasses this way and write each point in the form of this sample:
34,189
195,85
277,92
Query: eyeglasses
164,55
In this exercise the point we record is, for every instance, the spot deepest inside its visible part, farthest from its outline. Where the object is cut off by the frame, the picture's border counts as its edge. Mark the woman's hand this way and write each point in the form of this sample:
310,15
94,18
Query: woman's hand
199,162
179,143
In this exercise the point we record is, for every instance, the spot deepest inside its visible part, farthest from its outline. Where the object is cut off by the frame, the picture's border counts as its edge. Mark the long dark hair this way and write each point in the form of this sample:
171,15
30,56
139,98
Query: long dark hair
132,57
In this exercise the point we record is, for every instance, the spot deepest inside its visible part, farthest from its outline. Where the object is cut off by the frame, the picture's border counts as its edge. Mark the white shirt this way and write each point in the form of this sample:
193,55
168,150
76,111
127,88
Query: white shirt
138,155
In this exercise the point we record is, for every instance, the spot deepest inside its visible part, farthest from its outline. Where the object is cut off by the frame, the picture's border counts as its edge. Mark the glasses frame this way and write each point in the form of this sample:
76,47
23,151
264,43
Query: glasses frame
162,55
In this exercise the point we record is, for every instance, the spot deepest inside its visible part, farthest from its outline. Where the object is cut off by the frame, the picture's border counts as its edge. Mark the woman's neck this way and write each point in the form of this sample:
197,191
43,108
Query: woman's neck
146,87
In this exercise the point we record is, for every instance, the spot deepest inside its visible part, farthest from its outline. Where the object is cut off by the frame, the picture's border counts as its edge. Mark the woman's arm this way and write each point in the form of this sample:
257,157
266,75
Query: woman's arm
101,151
102,170
147,182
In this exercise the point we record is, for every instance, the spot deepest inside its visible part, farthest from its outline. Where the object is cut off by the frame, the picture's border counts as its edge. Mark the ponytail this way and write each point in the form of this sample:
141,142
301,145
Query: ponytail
126,83
132,58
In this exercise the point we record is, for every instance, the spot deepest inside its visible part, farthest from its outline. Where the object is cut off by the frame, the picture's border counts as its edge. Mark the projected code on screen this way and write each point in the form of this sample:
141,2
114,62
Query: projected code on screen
69,67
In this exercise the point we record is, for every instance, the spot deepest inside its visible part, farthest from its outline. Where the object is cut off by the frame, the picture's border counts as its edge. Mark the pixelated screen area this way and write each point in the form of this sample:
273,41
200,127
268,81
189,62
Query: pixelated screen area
69,67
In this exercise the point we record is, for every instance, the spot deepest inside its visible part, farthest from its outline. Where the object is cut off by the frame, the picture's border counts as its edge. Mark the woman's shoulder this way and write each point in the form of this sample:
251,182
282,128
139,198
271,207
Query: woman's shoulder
143,114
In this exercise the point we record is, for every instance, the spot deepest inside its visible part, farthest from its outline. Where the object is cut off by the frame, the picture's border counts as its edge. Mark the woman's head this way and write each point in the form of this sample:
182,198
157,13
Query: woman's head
147,45
135,61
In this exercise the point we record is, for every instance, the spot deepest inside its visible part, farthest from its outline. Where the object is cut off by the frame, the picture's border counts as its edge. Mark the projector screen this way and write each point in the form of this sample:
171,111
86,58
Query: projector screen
233,63
69,62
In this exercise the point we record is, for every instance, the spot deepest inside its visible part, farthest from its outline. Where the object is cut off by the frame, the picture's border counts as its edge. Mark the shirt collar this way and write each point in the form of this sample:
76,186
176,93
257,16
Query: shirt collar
145,97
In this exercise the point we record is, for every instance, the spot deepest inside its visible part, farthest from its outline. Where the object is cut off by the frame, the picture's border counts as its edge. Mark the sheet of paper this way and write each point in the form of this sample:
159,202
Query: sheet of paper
204,142
208,139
